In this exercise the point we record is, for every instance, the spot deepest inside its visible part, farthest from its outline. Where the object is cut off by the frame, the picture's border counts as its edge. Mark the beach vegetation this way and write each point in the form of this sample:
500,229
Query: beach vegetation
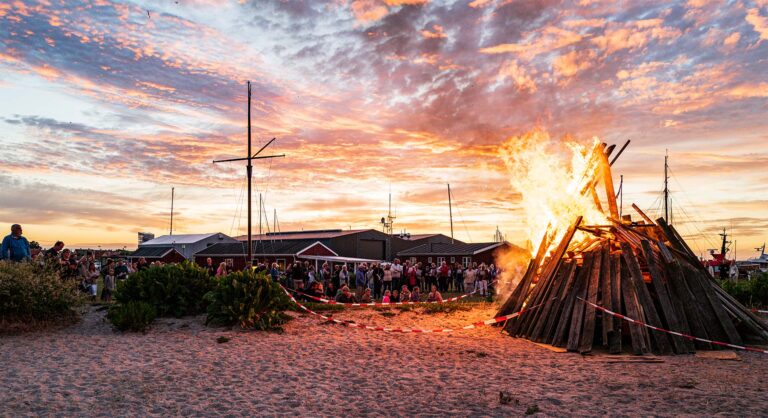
33,296
248,299
173,289
134,316
751,293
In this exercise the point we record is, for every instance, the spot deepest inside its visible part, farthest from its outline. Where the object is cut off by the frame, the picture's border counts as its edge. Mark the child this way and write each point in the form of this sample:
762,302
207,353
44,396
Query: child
385,299
415,295
109,286
434,295
395,296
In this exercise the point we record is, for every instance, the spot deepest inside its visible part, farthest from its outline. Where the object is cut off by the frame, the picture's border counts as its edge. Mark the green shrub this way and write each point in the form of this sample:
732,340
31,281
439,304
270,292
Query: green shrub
31,294
248,299
132,316
174,290
753,293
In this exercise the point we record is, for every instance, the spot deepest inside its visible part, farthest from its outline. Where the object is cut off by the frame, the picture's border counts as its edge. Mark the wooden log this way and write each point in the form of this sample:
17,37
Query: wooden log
563,327
614,334
649,308
588,329
756,325
687,302
671,318
610,191
548,275
717,306
606,294
516,300
550,300
676,243
557,309
538,297
638,334
642,214
579,307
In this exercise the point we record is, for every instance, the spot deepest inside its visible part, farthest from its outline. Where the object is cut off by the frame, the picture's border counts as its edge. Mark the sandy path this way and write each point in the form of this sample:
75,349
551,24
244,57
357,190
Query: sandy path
316,369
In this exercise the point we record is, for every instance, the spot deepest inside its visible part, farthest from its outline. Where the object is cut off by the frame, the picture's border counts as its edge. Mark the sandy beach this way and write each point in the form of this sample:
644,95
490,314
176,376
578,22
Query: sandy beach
319,369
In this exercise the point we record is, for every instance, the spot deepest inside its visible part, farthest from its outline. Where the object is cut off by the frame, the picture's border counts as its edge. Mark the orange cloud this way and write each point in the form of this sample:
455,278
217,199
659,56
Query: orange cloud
759,23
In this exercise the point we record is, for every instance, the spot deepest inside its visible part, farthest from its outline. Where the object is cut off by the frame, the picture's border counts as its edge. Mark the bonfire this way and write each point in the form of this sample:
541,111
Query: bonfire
590,259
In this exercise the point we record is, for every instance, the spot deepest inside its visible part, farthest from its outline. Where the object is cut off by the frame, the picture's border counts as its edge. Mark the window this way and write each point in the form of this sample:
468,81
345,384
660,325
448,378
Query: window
229,261
281,262
413,260
453,260
429,260
440,261
466,261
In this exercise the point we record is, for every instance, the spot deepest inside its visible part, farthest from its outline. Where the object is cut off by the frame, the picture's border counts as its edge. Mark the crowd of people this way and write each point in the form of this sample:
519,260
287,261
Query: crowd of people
390,282
385,282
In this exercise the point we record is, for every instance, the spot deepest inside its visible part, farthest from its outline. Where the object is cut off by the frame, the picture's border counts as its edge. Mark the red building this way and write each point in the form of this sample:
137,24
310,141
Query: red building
458,252
268,252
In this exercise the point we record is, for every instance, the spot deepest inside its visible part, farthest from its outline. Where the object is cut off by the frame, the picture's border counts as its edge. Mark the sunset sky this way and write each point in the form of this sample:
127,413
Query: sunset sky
104,106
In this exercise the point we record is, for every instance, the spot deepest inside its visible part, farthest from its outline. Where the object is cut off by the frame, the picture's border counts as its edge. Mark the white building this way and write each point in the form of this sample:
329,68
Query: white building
187,244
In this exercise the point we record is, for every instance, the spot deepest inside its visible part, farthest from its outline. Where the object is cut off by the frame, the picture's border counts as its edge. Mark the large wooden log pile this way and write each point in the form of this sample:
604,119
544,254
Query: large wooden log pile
643,270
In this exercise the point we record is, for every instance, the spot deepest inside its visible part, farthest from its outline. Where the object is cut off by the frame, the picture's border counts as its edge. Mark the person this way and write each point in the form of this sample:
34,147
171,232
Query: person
109,286
274,272
311,275
366,297
442,276
405,295
411,280
397,274
121,271
69,270
386,281
344,276
458,279
209,267
335,276
330,291
360,280
482,280
416,295
53,252
345,296
142,264
110,263
222,270
316,290
469,279
387,294
89,282
395,297
434,295
15,246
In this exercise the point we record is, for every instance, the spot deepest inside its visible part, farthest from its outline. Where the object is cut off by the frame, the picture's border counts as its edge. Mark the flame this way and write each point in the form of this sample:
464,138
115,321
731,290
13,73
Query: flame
553,179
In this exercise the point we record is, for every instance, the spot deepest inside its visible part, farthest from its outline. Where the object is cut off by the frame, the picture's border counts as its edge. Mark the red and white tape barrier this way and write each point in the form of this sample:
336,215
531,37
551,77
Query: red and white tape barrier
679,334
333,302
409,330
760,311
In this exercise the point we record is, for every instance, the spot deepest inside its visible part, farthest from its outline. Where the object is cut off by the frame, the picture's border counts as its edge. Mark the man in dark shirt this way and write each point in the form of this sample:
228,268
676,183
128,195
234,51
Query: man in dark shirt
209,267
121,270
53,252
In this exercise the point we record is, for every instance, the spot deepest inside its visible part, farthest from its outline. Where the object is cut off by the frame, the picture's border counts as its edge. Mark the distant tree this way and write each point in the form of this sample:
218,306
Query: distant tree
34,245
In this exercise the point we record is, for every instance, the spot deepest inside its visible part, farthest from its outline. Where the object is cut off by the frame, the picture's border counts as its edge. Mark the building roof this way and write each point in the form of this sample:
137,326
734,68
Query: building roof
302,235
288,247
439,248
179,239
152,252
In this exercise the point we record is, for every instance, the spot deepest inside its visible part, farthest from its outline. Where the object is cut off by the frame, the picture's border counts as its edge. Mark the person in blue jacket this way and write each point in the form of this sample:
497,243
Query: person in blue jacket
15,247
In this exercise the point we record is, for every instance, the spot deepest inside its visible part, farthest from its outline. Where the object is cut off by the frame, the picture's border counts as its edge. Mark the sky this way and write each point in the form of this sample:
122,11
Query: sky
105,106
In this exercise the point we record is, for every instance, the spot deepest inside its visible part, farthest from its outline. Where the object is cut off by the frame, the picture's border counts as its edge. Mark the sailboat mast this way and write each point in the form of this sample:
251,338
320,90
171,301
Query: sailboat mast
450,210
666,187
249,173
172,192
